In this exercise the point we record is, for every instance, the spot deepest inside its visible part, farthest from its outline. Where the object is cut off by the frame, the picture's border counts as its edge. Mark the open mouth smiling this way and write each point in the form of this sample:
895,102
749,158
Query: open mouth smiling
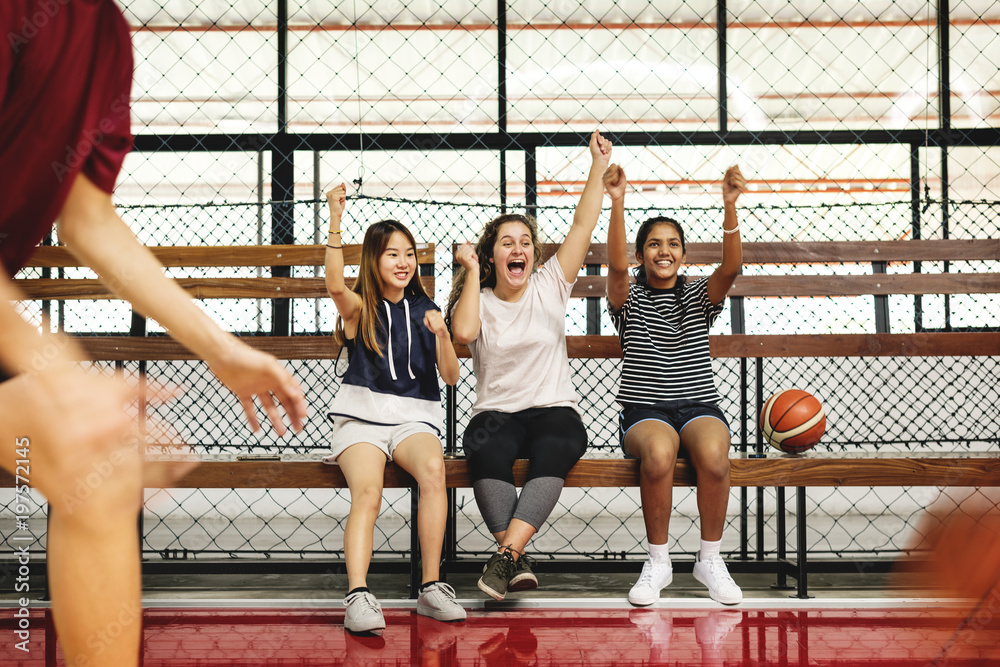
516,267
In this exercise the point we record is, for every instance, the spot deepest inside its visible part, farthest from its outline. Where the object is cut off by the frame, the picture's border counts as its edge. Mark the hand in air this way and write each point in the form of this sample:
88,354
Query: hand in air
467,258
614,182
337,198
733,185
600,149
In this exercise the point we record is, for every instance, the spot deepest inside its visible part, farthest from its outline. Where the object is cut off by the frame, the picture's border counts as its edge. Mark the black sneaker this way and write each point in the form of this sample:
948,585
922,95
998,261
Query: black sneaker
524,578
498,572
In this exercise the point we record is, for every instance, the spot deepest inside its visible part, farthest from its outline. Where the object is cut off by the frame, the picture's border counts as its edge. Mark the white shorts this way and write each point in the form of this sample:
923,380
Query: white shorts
348,432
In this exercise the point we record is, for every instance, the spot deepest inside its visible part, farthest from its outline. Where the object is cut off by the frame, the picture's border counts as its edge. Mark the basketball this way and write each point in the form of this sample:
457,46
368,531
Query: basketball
792,421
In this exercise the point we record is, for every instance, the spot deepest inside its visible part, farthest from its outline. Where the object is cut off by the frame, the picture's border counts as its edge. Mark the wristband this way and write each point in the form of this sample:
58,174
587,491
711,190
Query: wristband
731,231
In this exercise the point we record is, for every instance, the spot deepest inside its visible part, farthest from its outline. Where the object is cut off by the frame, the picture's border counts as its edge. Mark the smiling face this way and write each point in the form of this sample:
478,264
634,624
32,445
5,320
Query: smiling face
662,255
513,257
396,266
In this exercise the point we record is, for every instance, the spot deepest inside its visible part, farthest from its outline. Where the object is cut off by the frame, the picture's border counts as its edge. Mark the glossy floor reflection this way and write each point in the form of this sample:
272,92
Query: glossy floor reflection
597,637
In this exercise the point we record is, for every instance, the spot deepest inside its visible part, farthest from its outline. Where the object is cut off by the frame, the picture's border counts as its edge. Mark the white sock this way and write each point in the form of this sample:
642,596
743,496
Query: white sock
710,548
659,553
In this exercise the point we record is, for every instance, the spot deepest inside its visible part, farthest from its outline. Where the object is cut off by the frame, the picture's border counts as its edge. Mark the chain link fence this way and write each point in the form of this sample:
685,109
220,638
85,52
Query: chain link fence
851,123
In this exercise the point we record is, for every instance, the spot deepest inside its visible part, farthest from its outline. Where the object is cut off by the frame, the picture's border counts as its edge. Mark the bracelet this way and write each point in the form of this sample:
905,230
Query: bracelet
335,247
334,231
731,231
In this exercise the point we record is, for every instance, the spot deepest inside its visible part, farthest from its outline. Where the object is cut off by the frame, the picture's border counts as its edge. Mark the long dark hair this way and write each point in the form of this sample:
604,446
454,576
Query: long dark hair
484,251
369,284
640,243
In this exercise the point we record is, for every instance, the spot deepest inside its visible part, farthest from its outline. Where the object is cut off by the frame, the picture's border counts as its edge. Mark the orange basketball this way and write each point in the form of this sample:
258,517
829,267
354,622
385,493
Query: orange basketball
792,420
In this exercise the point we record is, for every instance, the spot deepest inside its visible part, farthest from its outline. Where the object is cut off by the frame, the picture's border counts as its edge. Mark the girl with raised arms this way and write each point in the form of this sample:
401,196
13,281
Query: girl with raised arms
667,389
388,406
513,318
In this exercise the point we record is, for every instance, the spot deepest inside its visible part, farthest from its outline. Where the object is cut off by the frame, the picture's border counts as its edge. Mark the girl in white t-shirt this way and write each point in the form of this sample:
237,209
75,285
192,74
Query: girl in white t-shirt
513,319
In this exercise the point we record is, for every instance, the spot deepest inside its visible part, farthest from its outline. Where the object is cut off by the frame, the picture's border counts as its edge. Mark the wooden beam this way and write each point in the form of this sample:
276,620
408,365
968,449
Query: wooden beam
806,470
269,255
968,344
59,289
822,252
827,286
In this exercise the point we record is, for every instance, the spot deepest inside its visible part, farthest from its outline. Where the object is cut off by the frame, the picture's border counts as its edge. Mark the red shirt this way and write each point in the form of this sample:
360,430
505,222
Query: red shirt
65,82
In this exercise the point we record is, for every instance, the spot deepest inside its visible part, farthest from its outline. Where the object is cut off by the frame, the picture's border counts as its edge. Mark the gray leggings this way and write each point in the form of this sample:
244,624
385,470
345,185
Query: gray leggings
552,439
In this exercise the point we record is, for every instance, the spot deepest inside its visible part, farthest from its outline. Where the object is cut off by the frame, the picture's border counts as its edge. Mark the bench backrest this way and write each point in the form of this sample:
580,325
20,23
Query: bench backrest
766,274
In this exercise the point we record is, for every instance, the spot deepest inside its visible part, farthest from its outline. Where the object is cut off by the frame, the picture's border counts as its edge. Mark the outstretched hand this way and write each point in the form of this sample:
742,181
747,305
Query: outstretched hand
337,199
614,182
733,185
250,374
600,149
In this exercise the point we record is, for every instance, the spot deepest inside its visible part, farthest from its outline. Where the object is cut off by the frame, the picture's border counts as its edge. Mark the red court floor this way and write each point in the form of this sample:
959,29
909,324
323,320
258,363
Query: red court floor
598,637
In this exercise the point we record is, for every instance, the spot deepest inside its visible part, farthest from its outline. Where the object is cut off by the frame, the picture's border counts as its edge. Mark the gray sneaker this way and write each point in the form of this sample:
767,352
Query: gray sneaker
524,578
438,602
364,613
498,572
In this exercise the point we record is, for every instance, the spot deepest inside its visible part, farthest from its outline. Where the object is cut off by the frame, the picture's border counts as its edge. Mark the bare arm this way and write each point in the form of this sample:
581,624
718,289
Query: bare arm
348,303
614,183
465,322
94,233
573,250
722,279
447,360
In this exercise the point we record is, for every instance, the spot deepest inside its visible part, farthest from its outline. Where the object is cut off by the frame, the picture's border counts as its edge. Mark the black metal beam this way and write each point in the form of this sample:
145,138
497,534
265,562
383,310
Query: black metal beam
427,141
721,21
502,97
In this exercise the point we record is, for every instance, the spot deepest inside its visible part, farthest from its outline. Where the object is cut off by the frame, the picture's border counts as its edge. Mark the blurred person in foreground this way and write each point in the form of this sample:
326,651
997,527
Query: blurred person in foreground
65,81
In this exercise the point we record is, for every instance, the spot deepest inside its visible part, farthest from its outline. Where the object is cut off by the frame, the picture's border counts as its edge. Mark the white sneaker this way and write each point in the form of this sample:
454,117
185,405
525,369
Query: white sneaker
437,601
713,573
364,613
654,578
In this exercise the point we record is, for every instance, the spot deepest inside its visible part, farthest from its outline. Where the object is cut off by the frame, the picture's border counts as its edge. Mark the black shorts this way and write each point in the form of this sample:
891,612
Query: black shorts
552,439
676,414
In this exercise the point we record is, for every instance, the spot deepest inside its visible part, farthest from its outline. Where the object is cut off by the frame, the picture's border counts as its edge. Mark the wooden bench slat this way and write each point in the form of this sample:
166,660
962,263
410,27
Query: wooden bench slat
822,252
60,289
825,286
270,255
979,343
809,470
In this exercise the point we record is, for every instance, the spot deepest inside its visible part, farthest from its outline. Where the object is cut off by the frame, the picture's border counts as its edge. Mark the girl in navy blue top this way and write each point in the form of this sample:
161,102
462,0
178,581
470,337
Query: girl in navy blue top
388,406
667,390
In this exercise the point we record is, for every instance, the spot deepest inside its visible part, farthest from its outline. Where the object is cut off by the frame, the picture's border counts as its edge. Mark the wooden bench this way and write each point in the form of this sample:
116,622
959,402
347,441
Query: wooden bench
748,470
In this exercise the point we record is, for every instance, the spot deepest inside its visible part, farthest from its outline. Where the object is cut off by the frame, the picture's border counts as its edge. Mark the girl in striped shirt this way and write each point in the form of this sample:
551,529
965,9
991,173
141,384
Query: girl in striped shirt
667,390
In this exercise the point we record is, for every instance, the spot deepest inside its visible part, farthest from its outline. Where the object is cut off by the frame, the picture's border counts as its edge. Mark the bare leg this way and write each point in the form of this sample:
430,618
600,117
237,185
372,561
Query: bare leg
363,465
74,427
421,456
707,442
655,444
517,536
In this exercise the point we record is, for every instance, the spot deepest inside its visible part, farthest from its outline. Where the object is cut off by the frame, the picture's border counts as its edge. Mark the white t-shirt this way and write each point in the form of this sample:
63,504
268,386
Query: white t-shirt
519,357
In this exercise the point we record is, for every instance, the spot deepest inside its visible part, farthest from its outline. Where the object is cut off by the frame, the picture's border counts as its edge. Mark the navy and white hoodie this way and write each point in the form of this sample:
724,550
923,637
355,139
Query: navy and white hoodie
401,386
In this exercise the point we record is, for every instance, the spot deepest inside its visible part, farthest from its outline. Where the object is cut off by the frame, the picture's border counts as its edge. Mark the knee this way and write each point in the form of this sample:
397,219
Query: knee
430,475
104,485
658,462
714,469
367,498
